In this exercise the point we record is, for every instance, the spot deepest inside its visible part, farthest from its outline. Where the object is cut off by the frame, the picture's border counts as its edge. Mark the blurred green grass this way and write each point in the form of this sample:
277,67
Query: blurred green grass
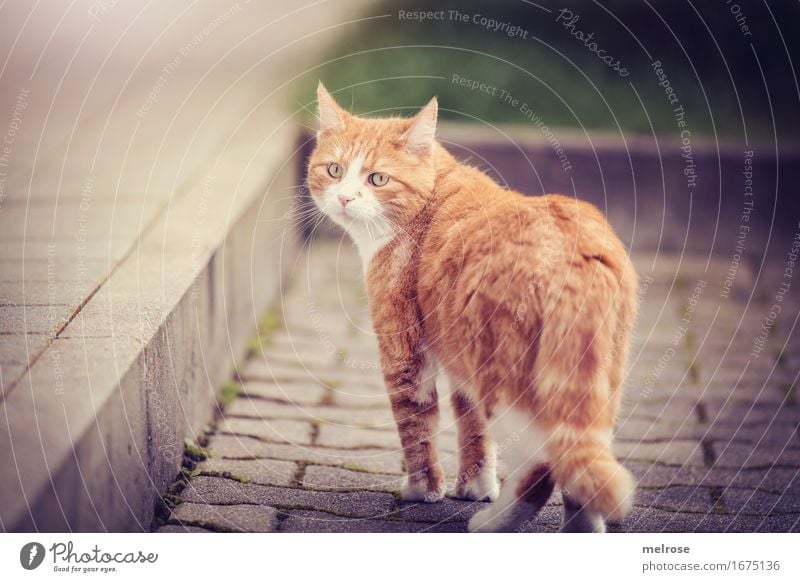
386,64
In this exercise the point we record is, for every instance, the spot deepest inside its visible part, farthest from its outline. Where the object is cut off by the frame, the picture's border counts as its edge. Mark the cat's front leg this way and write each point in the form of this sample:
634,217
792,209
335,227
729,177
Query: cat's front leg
408,370
477,473
412,392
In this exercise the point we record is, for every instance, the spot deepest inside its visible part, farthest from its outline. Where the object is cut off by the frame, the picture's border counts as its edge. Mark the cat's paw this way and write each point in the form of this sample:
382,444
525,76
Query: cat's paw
593,525
423,490
481,487
485,521
578,519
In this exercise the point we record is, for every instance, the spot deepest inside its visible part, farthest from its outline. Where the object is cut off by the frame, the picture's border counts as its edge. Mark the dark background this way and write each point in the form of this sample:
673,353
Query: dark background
730,84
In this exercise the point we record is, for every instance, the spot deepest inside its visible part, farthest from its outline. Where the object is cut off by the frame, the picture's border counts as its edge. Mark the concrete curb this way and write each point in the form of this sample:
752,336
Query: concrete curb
112,398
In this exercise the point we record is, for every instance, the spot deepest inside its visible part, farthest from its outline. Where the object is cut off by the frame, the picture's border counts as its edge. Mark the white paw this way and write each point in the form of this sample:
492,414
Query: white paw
582,521
419,490
483,487
483,522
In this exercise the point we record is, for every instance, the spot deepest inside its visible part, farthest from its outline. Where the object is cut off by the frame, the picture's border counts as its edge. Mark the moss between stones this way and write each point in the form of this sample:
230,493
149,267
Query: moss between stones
190,473
299,475
717,503
254,346
231,390
195,451
270,321
689,340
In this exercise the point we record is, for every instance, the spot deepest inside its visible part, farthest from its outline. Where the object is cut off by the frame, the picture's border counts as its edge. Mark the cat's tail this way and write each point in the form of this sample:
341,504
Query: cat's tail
577,384
583,464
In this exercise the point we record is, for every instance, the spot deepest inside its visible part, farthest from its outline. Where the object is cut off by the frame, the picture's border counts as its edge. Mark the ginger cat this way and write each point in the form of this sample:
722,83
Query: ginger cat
526,303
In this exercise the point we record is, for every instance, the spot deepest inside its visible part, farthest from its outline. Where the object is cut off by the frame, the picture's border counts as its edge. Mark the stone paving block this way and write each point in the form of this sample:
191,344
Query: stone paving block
42,293
321,477
215,491
103,221
363,417
9,373
654,475
292,340
317,361
375,460
44,320
261,471
257,369
353,379
750,413
643,430
61,269
296,432
440,511
548,520
63,252
736,455
363,396
652,520
667,453
350,437
773,523
303,521
115,313
182,529
774,479
658,476
762,390
662,410
240,518
691,499
299,394
20,348
759,502
776,435
331,324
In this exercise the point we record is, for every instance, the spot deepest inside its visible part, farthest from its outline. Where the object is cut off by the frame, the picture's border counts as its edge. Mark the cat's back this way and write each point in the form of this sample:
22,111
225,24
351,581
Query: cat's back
487,223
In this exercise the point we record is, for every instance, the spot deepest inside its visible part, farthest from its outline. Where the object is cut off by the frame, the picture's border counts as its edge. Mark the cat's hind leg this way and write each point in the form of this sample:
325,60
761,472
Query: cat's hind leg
477,473
597,485
521,498
580,519
529,484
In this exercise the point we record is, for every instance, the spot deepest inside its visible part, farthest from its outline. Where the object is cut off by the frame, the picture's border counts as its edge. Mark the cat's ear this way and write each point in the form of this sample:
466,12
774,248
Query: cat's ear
331,116
421,134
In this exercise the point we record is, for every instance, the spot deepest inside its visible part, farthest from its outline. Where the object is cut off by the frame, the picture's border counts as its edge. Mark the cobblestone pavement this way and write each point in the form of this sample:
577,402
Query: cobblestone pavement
709,425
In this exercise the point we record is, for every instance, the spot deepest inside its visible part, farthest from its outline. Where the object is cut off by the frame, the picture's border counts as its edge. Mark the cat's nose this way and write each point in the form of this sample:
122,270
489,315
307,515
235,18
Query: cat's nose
345,199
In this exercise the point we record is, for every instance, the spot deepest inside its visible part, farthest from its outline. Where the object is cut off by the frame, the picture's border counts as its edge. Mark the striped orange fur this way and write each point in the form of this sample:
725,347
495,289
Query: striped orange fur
526,303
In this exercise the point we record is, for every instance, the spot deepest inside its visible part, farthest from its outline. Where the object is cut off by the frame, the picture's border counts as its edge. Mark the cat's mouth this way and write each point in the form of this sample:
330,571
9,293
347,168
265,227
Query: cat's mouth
347,212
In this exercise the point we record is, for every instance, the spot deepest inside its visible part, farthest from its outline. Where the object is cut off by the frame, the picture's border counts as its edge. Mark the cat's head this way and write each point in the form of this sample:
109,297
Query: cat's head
372,176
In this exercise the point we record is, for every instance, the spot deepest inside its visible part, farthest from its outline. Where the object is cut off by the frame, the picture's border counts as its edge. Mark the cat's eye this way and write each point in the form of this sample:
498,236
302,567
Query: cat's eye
335,170
378,179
